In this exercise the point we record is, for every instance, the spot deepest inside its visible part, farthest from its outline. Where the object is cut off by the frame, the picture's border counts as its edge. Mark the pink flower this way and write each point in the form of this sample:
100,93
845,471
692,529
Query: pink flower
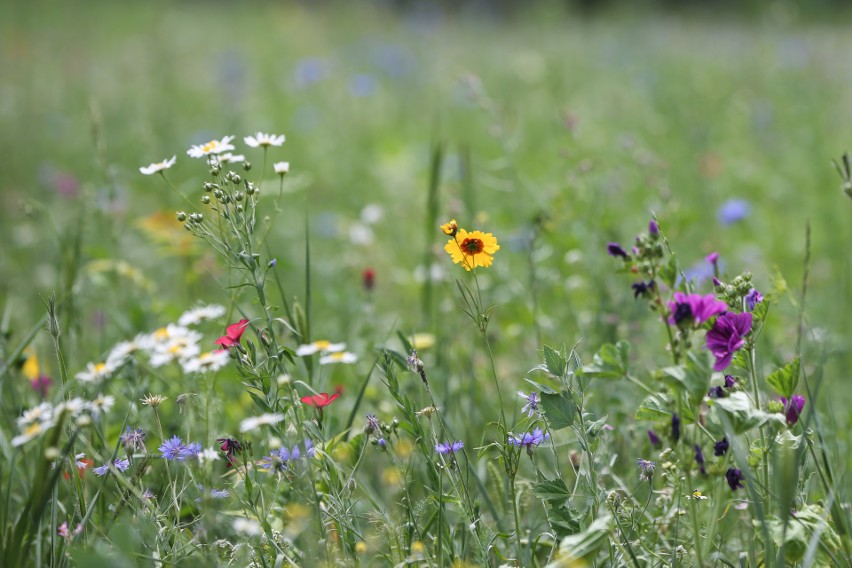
321,400
694,308
233,333
727,336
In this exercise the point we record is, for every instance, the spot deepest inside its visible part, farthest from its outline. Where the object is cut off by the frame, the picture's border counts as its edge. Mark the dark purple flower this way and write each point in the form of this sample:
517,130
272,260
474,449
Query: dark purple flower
694,309
172,448
675,427
721,447
655,440
716,282
699,459
643,289
449,447
646,469
614,249
730,381
793,408
653,228
726,337
717,392
753,298
734,477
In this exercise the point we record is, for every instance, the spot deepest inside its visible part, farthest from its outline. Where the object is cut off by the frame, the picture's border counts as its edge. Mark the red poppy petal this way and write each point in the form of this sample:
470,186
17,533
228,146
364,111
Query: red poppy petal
235,330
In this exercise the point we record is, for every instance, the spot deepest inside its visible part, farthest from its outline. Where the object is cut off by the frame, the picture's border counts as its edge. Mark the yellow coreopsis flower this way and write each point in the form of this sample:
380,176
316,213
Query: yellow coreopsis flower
472,249
450,228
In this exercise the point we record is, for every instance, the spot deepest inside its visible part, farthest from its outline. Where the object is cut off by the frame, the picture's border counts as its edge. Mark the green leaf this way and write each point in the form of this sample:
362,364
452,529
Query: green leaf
584,544
554,492
785,379
555,362
559,409
693,376
654,407
808,523
564,521
611,362
668,272
742,414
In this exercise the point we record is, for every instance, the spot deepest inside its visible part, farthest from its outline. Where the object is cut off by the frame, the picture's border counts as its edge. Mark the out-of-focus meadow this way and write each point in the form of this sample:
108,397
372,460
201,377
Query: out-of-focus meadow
556,131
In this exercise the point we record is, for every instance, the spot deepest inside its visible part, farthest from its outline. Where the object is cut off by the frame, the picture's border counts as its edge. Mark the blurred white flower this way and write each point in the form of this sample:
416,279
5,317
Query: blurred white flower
196,315
372,213
158,166
95,372
281,168
209,361
102,403
339,357
121,352
256,422
228,158
262,139
212,147
319,346
247,527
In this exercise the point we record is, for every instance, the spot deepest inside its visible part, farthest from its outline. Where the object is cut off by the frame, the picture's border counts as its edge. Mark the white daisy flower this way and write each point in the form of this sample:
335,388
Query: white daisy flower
121,352
95,372
102,404
229,158
256,422
158,166
208,455
73,406
212,147
210,361
281,168
178,347
30,432
42,413
339,357
161,337
319,346
199,314
247,527
262,139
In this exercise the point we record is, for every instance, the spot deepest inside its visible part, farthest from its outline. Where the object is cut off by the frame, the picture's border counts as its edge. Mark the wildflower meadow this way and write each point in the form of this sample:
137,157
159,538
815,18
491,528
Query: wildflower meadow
415,285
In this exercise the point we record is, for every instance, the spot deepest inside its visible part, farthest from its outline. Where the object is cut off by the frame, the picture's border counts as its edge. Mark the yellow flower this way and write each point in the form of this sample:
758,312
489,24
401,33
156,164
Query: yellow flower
450,228
472,249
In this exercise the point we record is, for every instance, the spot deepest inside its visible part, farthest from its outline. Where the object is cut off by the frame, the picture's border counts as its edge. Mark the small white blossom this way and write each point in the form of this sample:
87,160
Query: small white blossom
319,346
281,168
158,166
229,158
339,357
210,361
95,372
199,314
121,352
262,139
256,422
208,455
212,147
101,404
247,527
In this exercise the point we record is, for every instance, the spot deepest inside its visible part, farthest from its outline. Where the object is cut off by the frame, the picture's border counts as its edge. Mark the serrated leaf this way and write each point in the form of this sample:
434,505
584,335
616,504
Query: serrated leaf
742,414
555,362
559,410
784,380
654,407
611,362
564,521
554,491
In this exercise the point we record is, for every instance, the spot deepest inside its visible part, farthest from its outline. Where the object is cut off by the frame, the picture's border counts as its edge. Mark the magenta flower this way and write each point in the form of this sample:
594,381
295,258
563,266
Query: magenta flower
694,308
793,408
726,337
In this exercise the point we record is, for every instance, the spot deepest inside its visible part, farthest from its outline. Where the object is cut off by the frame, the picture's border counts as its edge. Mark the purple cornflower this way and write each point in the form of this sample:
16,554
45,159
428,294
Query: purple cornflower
101,471
449,447
529,439
734,477
793,408
694,309
753,298
732,211
614,249
531,407
172,448
655,440
699,459
726,337
653,228
281,459
675,427
643,289
121,465
189,451
646,469
134,439
219,493
721,447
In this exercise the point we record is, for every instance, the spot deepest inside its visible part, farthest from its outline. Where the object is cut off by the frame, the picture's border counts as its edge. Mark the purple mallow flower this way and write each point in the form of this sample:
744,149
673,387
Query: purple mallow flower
614,249
727,336
529,439
732,211
721,447
793,408
655,440
699,459
646,469
448,447
675,427
753,298
694,309
734,477
532,401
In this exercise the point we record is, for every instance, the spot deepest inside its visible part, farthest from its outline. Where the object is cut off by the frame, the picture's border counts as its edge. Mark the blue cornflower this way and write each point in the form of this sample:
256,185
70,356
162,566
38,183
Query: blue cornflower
531,407
172,448
733,210
310,450
101,471
529,439
449,447
280,460
189,451
219,493
646,469
121,465
381,442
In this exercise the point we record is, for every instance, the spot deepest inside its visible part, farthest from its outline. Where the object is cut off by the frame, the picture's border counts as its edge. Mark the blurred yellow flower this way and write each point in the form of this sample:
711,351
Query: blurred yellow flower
472,249
31,367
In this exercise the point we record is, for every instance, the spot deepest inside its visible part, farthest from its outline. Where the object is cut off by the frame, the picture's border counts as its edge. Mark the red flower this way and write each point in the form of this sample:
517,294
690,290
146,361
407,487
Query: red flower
233,333
369,278
320,400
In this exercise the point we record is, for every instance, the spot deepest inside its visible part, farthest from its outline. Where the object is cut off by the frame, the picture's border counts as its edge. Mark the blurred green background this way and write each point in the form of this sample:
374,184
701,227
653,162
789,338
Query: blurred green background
563,126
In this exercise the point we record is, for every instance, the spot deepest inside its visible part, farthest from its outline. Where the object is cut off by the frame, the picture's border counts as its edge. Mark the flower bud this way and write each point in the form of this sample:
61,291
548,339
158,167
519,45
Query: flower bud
205,199
181,216
236,178
247,166
238,196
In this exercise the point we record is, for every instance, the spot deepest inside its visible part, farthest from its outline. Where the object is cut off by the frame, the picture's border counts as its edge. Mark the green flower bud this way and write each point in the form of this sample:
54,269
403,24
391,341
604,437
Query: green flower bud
181,216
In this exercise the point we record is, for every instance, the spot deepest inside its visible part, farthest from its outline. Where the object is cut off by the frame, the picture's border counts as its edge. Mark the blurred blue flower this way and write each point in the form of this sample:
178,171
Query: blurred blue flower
362,85
393,60
449,447
733,211
310,70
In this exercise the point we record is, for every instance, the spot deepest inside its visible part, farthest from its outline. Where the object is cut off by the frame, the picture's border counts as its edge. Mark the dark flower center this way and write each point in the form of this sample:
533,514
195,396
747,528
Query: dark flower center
472,246
682,313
